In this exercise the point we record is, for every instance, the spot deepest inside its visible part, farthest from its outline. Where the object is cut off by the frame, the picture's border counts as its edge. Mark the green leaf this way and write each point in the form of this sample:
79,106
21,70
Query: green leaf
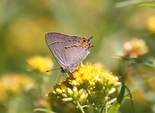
129,94
112,101
133,110
116,105
136,60
147,5
126,3
44,110
131,2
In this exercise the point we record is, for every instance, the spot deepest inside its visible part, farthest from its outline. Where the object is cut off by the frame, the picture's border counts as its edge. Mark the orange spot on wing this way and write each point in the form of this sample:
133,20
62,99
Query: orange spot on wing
83,42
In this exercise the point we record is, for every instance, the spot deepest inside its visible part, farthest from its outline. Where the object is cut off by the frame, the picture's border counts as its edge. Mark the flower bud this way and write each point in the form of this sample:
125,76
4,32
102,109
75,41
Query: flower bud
64,95
59,91
83,97
70,92
80,92
117,84
75,92
67,99
112,90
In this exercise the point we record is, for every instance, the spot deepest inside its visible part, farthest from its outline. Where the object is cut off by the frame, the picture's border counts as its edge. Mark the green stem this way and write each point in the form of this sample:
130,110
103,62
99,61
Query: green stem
44,81
80,107
106,105
89,96
42,84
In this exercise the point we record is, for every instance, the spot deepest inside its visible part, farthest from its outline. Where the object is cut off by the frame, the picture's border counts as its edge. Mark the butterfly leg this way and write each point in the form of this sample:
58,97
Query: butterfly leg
57,76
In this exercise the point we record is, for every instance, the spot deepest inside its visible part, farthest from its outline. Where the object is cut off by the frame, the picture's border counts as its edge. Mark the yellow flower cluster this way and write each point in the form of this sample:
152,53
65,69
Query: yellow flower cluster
85,78
93,77
151,24
135,48
40,64
68,93
14,83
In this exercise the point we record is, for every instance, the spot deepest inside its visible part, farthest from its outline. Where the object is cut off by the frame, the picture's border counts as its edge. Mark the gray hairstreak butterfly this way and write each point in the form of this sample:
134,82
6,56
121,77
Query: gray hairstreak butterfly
68,50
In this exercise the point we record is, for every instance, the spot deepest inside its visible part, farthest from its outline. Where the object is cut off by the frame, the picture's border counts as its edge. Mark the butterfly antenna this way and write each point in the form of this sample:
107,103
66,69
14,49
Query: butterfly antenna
52,69
57,76
48,70
91,37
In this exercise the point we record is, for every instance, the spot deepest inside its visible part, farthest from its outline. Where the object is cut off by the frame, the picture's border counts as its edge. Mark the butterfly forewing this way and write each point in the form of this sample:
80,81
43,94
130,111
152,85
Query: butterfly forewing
54,41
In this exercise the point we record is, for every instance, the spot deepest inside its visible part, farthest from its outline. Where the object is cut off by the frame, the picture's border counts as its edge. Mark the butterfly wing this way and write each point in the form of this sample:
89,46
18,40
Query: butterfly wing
67,50
74,52
55,42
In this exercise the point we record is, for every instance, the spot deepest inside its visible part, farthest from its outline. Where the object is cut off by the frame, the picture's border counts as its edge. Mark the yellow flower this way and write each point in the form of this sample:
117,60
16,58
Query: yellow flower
135,48
151,24
33,30
40,64
68,94
86,80
93,77
16,82
3,93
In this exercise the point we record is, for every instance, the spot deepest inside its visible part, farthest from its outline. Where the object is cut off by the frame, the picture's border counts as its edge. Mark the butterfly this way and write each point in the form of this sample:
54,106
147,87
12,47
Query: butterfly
68,50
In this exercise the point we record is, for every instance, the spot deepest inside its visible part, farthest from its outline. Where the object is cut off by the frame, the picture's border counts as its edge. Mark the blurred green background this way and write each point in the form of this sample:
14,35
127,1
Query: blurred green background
24,23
